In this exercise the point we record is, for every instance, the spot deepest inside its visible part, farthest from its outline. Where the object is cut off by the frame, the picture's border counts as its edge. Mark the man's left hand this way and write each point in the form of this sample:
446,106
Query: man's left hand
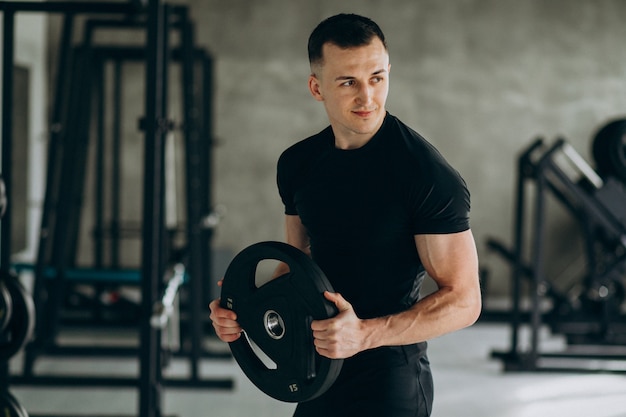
341,336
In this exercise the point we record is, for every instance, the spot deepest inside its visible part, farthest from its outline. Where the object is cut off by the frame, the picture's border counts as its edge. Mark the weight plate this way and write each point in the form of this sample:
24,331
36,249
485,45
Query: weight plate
618,154
6,307
3,197
10,407
609,149
20,328
276,318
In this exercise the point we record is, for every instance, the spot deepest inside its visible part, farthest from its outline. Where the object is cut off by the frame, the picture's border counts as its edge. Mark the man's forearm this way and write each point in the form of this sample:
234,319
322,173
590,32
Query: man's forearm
444,311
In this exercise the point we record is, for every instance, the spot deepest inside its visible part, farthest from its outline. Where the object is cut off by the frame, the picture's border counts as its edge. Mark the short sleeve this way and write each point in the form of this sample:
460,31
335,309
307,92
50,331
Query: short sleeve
444,207
439,200
284,180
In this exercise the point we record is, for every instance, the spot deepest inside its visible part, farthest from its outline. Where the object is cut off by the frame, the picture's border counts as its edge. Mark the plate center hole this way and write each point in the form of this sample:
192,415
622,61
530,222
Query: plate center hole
274,324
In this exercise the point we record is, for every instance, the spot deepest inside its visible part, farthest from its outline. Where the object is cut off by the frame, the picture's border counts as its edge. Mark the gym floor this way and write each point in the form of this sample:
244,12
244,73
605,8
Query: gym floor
467,383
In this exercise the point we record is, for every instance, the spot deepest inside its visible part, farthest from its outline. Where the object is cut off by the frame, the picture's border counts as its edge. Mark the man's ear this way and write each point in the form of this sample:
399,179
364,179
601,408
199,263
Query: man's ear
314,88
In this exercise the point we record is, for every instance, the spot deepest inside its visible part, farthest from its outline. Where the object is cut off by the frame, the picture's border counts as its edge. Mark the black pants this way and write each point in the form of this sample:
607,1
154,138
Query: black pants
384,382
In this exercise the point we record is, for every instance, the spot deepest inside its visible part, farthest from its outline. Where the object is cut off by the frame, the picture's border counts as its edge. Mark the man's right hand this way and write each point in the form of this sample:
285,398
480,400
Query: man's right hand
224,322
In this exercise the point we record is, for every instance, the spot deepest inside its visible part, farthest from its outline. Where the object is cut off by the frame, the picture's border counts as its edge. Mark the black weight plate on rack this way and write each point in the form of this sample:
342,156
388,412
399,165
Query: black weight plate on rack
10,407
609,149
6,307
19,329
276,318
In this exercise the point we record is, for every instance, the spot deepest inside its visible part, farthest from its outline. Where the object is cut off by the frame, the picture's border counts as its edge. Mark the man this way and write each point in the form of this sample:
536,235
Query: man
377,207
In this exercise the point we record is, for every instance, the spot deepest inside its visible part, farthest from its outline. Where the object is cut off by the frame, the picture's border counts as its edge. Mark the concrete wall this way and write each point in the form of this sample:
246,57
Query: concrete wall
479,78
30,54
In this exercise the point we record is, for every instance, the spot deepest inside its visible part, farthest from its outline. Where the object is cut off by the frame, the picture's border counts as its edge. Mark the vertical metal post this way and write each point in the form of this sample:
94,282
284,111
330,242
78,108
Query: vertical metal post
53,173
7,132
72,178
82,139
99,185
207,173
116,165
537,263
153,207
99,235
526,170
7,138
194,159
518,235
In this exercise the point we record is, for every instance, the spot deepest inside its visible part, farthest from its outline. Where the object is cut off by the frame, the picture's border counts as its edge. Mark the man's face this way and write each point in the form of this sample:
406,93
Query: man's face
353,85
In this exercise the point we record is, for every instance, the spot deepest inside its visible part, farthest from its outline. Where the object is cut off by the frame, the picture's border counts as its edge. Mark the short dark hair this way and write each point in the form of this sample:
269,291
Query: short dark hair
345,31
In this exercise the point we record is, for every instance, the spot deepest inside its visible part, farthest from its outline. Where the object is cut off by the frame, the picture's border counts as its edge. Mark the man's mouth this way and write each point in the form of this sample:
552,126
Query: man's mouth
364,113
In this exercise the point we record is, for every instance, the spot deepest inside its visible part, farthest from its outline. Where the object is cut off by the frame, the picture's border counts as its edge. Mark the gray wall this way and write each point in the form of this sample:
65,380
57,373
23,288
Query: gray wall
30,61
479,78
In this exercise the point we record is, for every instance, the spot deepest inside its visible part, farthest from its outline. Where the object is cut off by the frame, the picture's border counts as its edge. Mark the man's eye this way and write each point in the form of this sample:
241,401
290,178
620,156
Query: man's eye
377,79
348,83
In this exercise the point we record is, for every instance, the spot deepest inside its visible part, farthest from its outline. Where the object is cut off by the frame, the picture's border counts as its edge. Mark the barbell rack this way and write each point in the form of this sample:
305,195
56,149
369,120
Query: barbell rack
157,19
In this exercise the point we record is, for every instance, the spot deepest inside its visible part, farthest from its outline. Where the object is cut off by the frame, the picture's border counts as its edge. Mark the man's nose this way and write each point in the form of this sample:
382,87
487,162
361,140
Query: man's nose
365,94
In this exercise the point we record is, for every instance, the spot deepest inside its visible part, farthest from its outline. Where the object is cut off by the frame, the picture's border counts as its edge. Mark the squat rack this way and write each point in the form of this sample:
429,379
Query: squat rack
155,126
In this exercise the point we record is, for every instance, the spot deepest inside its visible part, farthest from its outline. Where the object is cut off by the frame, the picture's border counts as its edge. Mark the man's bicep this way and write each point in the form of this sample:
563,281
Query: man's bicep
449,259
296,233
295,236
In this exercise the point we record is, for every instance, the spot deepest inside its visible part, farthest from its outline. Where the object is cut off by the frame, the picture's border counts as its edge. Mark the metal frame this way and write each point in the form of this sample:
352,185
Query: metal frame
157,25
547,177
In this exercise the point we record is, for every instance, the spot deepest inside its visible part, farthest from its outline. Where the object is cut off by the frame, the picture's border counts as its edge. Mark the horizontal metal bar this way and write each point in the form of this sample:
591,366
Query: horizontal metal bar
136,53
224,383
73,381
582,166
88,274
118,351
83,415
599,355
69,7
563,362
55,381
566,369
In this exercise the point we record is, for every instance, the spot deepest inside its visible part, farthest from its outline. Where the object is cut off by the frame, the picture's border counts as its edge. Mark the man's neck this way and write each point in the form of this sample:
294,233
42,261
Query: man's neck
349,139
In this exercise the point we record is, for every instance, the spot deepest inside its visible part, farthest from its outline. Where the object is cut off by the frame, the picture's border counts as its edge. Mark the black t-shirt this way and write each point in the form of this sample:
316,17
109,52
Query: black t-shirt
362,207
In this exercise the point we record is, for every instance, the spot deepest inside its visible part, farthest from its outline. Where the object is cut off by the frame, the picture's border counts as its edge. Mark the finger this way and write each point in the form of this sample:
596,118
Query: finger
227,331
224,321
320,334
338,300
326,350
228,337
227,328
218,311
319,327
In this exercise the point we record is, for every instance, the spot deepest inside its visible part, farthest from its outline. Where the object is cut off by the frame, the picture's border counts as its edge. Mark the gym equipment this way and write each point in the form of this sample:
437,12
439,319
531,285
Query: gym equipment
276,318
6,307
164,309
609,149
590,314
10,407
21,317
78,75
166,313
3,197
